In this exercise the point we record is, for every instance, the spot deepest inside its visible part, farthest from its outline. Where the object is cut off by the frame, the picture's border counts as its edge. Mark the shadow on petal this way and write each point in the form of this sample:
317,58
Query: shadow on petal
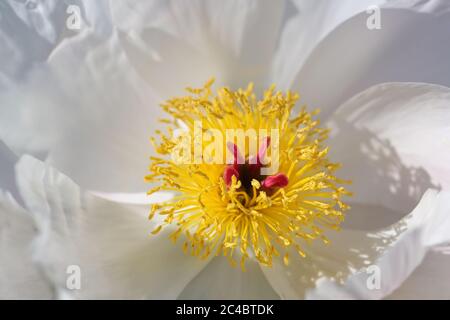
349,251
385,189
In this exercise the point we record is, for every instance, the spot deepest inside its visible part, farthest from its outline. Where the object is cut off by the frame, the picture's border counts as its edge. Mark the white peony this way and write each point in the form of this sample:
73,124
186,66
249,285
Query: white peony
85,102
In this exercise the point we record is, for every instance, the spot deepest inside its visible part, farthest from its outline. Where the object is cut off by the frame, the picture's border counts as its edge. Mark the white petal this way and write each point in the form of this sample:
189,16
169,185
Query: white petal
396,250
90,111
106,147
136,198
97,15
219,280
167,63
7,177
152,14
27,35
427,6
232,40
393,141
429,280
306,24
37,16
30,30
427,226
20,278
412,45
348,251
369,217
108,241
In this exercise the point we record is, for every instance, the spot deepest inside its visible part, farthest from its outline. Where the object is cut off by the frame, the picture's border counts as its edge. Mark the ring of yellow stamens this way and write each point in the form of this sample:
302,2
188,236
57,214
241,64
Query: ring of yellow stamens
216,218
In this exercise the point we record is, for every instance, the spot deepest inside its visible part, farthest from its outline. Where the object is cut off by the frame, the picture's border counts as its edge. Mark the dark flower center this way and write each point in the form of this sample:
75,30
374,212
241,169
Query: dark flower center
250,169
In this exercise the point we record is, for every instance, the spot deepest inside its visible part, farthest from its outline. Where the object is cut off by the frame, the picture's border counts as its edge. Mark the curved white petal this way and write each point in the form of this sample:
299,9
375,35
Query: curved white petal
412,45
393,141
108,241
219,280
428,281
90,111
20,278
306,23
396,251
425,227
189,42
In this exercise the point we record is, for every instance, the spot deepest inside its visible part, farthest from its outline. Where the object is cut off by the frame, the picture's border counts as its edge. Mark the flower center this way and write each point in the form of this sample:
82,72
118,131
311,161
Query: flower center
232,208
249,172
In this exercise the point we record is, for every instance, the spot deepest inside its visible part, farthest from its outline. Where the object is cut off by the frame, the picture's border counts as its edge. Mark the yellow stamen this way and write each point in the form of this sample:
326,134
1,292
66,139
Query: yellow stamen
216,218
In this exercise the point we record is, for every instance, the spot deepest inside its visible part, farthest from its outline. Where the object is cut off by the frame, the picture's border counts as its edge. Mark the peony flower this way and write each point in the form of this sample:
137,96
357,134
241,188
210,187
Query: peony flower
80,101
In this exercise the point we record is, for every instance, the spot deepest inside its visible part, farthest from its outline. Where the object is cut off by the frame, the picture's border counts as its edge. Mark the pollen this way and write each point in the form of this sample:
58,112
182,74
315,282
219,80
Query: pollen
232,208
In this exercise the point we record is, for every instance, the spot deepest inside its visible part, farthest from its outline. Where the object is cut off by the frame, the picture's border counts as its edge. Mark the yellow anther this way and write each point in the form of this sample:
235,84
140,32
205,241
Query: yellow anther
244,219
